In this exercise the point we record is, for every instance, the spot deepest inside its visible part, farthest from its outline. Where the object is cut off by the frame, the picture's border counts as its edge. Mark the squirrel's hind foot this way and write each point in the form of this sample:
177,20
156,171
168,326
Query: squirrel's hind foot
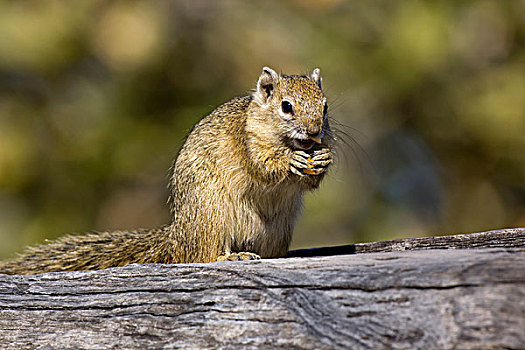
241,256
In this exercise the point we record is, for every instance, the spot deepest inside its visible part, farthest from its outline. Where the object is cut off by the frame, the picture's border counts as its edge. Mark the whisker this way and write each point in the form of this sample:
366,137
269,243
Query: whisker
344,140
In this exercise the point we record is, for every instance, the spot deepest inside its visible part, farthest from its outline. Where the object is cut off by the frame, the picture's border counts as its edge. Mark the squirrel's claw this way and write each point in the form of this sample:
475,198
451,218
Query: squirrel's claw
302,163
241,256
295,171
322,154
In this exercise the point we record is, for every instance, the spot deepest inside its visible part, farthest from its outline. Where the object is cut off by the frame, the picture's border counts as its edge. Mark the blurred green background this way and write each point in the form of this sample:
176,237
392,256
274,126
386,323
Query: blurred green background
96,98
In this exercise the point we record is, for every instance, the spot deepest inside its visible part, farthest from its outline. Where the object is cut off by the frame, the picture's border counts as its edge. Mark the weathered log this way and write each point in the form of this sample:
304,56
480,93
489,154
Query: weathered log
506,238
455,298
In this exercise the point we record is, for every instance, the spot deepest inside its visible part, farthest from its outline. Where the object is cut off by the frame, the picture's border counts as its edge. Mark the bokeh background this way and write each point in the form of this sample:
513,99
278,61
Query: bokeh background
96,98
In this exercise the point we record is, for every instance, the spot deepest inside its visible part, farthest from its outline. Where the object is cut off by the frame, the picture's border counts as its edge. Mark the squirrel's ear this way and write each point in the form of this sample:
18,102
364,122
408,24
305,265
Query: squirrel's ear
316,76
265,85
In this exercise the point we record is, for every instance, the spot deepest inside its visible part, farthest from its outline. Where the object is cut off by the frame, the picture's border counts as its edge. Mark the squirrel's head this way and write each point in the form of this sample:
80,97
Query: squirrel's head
297,104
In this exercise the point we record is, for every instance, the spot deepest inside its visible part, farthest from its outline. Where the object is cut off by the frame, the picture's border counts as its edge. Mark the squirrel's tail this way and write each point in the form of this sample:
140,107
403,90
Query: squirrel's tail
94,251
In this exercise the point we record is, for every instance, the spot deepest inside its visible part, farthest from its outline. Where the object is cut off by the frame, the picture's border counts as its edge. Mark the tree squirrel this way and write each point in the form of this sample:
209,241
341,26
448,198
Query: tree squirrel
236,187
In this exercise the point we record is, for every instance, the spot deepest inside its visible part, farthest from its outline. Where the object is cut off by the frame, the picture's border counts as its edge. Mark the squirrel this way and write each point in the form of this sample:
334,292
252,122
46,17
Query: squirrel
236,187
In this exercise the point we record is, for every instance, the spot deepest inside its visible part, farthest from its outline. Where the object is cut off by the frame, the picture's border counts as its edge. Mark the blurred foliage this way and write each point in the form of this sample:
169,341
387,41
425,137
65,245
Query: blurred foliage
96,97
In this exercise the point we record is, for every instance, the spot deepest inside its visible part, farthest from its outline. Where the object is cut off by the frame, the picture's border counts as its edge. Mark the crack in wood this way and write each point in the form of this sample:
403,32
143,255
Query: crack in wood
420,298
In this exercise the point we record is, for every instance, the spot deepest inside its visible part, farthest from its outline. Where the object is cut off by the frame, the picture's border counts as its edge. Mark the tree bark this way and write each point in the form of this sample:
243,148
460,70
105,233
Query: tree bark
395,298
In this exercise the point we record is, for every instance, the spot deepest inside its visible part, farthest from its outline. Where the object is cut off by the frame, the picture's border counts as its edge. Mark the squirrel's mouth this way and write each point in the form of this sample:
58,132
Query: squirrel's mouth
300,140
303,144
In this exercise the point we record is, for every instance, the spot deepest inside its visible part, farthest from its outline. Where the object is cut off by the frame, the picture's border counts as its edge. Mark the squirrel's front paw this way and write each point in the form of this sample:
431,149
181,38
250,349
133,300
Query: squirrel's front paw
242,256
316,163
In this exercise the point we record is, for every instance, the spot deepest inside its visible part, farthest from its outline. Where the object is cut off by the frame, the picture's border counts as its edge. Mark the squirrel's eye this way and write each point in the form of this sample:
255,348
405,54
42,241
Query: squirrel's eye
287,107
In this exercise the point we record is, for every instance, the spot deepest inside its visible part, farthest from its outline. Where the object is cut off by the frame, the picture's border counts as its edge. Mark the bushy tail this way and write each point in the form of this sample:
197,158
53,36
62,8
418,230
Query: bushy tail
94,251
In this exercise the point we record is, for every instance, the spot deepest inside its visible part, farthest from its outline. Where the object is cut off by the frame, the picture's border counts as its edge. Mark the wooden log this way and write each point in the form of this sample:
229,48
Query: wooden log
455,298
506,238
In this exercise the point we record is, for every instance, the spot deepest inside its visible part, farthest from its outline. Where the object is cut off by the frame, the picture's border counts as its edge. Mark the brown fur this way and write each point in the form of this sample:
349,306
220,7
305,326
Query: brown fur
232,188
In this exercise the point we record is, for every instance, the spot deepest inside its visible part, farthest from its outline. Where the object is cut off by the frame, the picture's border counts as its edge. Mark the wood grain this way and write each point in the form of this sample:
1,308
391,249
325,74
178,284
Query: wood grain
506,238
429,298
